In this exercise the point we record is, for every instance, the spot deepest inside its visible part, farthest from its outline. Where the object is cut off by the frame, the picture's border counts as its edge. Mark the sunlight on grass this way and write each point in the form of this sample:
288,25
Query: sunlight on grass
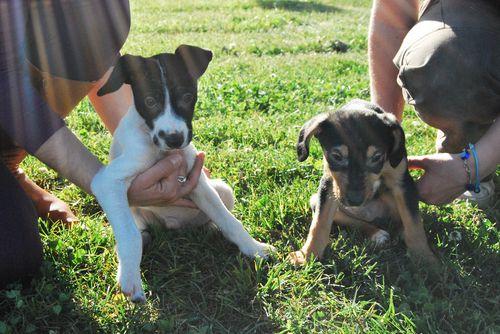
276,64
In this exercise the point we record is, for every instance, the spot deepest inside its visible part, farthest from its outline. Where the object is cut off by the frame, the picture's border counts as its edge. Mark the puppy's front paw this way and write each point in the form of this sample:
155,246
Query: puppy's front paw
131,284
297,258
380,238
258,249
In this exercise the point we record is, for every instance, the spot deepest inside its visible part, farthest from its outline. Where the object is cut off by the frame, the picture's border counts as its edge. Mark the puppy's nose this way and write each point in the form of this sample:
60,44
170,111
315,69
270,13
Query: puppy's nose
173,140
354,198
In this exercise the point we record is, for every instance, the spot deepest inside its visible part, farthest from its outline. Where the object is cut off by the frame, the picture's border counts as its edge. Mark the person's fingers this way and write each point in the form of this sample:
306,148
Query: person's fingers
162,169
418,162
186,203
194,175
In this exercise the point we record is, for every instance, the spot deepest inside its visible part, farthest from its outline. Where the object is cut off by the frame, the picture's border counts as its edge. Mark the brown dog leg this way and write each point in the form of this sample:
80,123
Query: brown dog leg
319,232
406,200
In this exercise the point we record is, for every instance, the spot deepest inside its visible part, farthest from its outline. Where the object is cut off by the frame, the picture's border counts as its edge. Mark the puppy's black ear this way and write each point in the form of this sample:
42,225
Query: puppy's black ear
195,58
398,150
309,129
121,74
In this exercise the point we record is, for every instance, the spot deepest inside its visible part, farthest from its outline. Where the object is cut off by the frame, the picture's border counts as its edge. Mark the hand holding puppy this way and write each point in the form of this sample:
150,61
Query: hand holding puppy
444,178
159,185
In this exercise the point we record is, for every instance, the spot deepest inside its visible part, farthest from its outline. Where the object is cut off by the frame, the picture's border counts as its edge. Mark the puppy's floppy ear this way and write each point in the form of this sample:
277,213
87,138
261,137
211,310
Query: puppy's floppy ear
195,58
398,149
121,74
309,129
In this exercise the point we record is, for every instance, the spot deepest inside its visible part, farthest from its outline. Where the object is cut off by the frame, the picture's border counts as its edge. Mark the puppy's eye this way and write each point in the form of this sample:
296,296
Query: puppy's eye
150,102
187,98
337,156
376,157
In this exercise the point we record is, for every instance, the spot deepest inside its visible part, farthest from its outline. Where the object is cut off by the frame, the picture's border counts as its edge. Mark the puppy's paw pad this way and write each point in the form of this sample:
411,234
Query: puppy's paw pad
297,258
380,238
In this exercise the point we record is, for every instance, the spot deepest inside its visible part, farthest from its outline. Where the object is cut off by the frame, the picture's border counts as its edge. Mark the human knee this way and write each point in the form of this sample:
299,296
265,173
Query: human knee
449,78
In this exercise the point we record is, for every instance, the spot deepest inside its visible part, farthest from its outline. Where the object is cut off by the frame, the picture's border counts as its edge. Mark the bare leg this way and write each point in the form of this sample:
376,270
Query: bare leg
111,107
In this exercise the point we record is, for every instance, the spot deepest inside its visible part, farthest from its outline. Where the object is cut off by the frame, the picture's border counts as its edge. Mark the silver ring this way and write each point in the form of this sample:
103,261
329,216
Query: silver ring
181,179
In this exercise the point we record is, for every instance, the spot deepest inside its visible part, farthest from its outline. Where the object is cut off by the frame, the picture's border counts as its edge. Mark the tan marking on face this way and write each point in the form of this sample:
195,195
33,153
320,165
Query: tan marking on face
370,151
343,149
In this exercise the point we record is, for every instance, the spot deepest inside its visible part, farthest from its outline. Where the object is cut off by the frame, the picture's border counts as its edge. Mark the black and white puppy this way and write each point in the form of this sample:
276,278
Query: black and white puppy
165,93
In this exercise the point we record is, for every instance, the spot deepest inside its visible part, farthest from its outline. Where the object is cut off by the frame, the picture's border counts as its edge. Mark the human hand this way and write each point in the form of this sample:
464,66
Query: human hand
159,186
444,178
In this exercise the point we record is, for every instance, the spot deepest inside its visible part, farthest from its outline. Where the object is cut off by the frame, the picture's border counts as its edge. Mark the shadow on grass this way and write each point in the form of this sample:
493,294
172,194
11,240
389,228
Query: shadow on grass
297,6
44,305
199,282
461,296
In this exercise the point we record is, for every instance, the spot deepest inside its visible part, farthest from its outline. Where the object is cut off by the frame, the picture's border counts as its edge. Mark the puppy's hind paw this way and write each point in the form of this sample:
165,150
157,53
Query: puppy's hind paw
131,286
380,238
259,249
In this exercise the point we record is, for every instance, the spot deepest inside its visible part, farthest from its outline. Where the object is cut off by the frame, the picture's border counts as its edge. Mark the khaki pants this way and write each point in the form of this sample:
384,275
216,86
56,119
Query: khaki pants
449,69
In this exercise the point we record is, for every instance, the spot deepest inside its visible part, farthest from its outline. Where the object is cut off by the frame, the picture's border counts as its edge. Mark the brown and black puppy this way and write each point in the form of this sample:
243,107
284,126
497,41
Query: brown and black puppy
365,176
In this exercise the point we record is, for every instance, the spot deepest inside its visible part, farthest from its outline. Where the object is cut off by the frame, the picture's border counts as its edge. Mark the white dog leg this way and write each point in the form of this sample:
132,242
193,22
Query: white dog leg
208,200
175,217
112,196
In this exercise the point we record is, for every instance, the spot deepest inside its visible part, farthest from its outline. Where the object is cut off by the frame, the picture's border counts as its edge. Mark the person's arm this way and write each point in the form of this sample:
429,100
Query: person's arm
64,153
390,21
445,176
69,157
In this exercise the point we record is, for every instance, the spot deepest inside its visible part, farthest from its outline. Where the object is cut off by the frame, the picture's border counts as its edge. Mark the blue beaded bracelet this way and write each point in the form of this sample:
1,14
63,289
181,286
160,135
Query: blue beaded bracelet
465,156
477,188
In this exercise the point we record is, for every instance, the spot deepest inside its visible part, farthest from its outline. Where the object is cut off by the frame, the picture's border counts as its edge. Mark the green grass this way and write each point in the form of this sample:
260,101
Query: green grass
276,64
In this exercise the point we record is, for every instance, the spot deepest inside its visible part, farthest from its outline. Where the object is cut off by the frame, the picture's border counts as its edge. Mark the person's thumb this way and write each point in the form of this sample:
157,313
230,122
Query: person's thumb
418,162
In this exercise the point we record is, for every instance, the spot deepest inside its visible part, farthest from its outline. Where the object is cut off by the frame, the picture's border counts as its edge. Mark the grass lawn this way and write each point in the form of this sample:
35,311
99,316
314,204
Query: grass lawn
276,64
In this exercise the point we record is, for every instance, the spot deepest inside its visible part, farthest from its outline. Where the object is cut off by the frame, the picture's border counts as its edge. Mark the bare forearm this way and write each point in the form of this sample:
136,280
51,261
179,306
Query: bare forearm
68,156
390,22
488,150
